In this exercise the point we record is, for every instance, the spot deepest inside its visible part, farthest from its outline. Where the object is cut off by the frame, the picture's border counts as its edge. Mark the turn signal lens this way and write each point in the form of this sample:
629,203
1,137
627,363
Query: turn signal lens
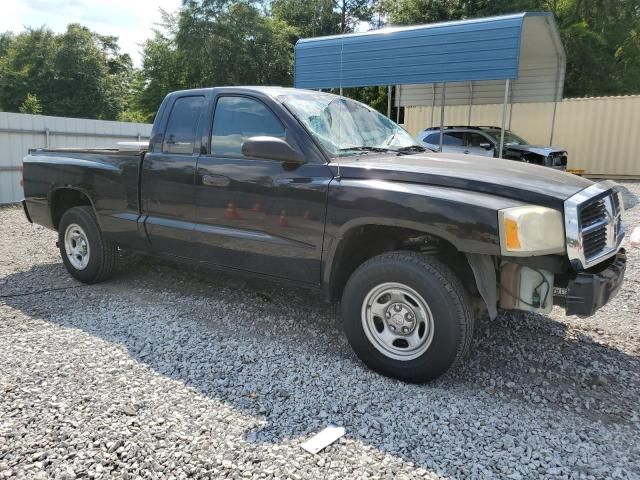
512,240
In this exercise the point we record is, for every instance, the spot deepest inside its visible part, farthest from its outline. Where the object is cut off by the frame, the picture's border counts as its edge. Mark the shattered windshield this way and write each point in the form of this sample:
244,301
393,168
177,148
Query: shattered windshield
346,127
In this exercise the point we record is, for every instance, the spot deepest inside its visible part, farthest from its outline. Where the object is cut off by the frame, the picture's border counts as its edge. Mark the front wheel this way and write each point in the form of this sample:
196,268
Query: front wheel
405,315
86,254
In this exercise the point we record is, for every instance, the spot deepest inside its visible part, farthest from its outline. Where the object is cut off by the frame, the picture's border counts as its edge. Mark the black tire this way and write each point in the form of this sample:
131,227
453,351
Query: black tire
103,254
445,297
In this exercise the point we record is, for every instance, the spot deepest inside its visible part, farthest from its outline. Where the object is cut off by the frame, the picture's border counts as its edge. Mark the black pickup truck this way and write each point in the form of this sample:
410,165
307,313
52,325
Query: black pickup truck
324,192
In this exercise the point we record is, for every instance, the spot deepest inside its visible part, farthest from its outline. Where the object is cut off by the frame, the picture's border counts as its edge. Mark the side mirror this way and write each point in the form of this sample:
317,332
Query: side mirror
271,148
486,145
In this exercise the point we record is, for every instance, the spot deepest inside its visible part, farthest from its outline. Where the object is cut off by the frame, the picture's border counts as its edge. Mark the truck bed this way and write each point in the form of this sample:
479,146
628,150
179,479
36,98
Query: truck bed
107,176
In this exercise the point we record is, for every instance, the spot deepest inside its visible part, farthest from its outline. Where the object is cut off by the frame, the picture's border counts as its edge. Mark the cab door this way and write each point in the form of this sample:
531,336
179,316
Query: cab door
259,215
478,144
168,179
452,142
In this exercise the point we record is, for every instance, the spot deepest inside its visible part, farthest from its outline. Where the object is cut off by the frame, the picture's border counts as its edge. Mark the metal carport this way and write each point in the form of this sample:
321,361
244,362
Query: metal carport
510,58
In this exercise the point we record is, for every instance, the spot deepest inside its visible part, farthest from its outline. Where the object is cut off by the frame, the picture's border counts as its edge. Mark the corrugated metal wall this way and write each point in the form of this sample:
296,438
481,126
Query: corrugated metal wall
540,75
602,135
477,49
20,132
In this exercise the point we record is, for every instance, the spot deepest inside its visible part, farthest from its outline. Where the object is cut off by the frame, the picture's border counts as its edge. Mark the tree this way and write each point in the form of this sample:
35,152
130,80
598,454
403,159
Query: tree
27,67
77,73
309,18
31,104
314,18
215,42
352,12
409,12
601,37
587,53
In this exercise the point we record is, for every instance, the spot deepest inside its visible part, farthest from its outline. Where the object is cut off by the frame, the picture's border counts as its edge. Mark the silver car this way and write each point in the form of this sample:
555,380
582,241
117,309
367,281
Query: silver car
484,141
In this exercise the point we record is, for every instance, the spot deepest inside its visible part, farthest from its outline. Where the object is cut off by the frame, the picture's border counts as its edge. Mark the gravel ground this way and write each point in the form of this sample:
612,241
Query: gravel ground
168,373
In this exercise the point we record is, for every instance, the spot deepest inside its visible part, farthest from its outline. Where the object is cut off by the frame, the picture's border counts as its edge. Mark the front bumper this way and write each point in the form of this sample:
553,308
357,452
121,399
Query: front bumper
583,293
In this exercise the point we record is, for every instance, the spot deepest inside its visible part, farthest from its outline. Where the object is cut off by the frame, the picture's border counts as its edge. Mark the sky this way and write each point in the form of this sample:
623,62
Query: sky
130,20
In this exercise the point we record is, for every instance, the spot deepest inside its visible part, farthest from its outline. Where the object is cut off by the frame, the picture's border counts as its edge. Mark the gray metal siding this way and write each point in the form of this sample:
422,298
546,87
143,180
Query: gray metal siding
19,132
540,74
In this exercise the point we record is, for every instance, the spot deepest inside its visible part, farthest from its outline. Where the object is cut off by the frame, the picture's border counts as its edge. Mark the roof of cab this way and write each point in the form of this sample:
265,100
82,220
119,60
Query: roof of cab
273,91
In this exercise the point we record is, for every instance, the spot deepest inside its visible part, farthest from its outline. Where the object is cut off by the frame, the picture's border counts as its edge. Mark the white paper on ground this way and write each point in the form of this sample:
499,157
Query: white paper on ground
323,439
634,240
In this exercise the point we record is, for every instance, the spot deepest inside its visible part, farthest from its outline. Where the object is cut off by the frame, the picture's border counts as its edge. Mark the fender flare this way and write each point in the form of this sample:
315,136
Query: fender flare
53,191
332,248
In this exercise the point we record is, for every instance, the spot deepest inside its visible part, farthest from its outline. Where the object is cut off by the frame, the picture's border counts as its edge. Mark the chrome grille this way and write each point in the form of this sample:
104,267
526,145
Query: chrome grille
593,224
616,202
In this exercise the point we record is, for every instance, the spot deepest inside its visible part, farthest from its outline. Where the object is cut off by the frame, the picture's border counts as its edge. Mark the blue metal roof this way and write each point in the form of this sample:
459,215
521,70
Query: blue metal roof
461,51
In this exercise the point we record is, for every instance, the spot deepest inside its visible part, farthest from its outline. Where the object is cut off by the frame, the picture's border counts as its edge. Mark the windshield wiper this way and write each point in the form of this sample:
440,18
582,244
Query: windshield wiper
410,148
365,148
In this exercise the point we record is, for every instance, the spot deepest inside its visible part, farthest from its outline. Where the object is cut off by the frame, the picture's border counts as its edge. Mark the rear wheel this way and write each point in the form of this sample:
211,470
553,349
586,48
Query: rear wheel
405,315
86,254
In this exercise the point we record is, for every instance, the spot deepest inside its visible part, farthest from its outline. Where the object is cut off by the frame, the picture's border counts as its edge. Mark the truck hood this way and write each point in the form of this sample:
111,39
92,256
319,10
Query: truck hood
539,149
507,178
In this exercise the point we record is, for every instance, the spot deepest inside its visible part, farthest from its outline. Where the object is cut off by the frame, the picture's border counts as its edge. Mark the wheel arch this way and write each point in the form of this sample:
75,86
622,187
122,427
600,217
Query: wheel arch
63,198
363,238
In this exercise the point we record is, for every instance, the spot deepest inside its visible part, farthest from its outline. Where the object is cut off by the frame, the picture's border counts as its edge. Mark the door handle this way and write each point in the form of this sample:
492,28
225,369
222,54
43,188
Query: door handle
215,180
466,151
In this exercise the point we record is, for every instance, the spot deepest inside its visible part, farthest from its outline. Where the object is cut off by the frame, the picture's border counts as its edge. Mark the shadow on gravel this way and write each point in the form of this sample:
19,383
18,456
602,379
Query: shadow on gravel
278,353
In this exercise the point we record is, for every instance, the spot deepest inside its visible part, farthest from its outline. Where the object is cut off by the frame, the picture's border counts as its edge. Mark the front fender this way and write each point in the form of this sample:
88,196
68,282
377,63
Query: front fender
468,220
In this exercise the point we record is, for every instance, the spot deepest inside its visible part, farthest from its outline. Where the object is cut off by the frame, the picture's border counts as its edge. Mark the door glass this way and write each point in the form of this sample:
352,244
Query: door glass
181,127
238,118
475,139
432,138
452,139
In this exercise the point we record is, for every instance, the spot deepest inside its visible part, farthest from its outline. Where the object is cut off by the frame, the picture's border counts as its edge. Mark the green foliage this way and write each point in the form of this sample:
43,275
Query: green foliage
31,104
601,37
309,18
250,42
314,18
215,42
76,74
375,97
133,116
587,53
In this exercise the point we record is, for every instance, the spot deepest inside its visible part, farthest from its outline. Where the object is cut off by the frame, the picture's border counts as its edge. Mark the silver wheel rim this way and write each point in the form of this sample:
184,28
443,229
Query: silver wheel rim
397,321
76,246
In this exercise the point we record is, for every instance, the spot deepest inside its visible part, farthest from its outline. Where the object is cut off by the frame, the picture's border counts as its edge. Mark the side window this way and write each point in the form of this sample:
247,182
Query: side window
238,118
475,139
452,139
432,139
180,133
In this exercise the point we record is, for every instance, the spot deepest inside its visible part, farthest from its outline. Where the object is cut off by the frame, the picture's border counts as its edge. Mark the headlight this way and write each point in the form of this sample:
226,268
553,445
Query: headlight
531,230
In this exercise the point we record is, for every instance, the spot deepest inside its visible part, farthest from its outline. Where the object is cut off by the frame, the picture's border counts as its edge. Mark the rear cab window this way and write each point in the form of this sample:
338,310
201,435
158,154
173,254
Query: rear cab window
180,133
